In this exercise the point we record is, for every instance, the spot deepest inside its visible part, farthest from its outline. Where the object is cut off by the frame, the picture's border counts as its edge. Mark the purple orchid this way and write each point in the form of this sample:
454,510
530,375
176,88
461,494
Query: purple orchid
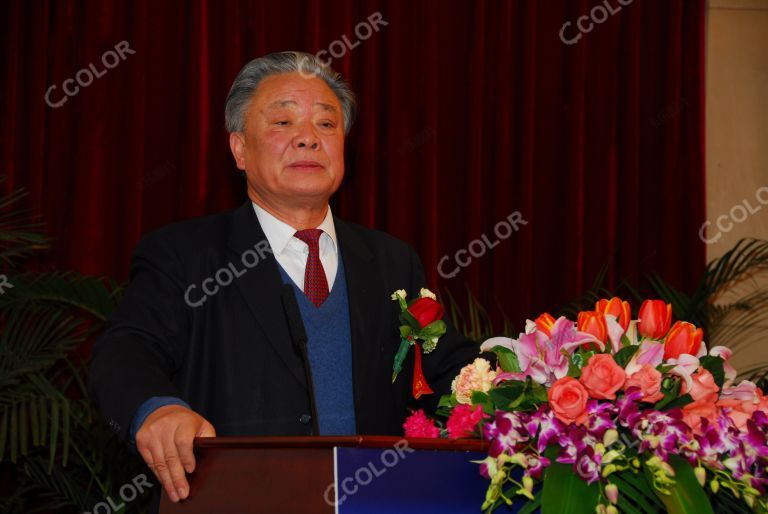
505,433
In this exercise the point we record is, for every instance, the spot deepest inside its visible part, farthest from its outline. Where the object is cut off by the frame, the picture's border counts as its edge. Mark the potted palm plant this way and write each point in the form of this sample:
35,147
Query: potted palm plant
56,452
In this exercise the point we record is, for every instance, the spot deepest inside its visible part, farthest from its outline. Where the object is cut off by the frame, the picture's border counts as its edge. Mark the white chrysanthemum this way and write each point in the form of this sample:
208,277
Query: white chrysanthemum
400,293
426,293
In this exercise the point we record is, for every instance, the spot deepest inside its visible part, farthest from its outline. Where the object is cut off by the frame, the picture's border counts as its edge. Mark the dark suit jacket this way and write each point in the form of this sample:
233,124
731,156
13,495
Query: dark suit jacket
232,358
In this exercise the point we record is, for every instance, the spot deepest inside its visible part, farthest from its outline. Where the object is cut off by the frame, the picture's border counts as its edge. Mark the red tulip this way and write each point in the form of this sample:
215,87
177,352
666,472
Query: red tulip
682,338
545,322
616,308
593,323
655,317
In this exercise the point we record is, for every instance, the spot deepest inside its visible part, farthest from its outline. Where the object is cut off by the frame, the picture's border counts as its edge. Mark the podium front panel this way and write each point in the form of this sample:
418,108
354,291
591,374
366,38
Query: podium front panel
352,475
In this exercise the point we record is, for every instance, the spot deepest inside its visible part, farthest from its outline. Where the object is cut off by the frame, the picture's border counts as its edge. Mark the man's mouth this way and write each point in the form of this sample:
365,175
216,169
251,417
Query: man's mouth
308,165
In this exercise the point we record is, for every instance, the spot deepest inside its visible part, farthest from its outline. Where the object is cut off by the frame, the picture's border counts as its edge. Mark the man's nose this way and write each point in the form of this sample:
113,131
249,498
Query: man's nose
312,145
307,138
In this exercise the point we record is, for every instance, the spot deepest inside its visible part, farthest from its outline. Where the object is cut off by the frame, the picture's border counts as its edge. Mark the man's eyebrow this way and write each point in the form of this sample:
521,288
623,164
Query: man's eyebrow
327,107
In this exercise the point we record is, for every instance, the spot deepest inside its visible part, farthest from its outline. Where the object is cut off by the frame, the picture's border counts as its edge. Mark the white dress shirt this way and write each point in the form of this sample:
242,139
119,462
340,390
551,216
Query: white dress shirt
291,253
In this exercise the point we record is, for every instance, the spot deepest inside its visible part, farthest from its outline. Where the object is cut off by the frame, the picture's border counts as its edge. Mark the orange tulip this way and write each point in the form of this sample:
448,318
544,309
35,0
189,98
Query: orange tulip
682,338
592,323
655,317
616,308
545,322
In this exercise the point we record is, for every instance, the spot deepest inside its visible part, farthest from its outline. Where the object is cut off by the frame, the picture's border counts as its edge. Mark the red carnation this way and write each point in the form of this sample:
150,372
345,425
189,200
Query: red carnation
463,420
419,425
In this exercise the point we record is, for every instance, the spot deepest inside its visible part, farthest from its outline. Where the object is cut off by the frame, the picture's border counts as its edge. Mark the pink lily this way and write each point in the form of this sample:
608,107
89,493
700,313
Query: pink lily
528,357
725,354
615,331
685,366
566,337
541,357
651,352
744,392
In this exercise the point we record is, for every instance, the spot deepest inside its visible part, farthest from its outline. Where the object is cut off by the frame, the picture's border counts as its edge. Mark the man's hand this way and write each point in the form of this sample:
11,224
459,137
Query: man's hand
165,442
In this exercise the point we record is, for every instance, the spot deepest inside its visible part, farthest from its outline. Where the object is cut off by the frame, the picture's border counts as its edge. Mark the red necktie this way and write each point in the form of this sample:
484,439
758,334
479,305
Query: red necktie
315,281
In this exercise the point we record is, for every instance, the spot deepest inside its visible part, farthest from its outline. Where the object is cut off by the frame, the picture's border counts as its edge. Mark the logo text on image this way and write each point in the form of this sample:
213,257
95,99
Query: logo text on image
4,284
226,275
339,47
478,247
597,15
127,492
738,214
363,476
85,76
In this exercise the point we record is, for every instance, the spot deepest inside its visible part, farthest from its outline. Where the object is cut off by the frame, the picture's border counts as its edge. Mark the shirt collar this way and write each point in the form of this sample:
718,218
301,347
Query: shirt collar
279,233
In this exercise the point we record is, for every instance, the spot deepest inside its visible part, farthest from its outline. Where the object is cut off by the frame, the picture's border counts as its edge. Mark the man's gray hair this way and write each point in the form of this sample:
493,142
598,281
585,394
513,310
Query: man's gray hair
307,65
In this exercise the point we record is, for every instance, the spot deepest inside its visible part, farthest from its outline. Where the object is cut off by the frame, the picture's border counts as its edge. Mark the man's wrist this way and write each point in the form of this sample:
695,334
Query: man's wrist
150,406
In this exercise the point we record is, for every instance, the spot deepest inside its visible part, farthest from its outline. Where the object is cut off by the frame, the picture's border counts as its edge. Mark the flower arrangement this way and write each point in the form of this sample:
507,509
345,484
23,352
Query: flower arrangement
600,414
421,328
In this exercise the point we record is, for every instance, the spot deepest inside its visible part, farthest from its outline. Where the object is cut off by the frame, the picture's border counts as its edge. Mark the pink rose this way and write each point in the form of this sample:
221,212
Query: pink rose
648,380
693,412
704,388
463,420
419,425
602,377
568,400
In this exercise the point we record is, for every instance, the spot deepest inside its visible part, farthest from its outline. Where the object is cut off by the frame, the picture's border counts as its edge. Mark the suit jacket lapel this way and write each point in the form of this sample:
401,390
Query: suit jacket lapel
363,291
260,286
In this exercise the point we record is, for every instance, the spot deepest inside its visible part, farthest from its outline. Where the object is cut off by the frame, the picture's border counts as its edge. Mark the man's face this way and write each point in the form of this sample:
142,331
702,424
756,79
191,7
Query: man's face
292,148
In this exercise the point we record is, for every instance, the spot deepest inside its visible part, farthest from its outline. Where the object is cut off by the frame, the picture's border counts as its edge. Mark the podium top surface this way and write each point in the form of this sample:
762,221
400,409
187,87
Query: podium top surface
358,441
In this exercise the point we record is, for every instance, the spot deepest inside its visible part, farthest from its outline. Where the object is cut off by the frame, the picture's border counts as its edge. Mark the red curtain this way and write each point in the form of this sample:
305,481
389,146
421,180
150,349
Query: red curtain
470,111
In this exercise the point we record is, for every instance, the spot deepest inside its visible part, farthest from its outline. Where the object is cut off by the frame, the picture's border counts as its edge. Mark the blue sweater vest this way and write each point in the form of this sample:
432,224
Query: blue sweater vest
330,355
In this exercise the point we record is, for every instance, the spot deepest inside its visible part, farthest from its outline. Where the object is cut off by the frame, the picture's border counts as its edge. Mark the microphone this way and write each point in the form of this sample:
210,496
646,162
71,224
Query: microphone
299,341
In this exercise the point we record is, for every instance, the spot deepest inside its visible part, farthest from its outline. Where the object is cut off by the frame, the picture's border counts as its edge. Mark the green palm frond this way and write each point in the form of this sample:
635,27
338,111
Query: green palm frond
95,296
59,487
34,415
16,502
20,231
33,338
477,324
729,303
748,257
682,307
586,301
66,458
734,321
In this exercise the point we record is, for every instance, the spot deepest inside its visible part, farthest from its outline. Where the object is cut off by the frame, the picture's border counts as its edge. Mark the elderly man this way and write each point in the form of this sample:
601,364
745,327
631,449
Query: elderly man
208,337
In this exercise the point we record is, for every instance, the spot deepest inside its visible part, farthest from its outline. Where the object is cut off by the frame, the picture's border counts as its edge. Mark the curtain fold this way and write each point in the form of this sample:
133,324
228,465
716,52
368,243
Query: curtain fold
469,113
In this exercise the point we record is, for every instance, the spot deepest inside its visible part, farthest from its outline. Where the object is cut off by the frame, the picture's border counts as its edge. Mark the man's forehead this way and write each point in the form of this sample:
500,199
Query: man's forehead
288,103
288,90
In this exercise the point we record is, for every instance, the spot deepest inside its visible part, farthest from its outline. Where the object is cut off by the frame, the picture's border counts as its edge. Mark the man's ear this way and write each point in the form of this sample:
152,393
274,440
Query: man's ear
237,145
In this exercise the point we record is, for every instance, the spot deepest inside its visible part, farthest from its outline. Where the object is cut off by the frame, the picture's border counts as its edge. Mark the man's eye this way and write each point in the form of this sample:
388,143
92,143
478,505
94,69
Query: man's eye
327,124
282,123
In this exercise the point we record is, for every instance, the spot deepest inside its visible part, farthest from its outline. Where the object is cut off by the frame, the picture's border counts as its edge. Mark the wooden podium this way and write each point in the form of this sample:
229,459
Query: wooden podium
359,474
